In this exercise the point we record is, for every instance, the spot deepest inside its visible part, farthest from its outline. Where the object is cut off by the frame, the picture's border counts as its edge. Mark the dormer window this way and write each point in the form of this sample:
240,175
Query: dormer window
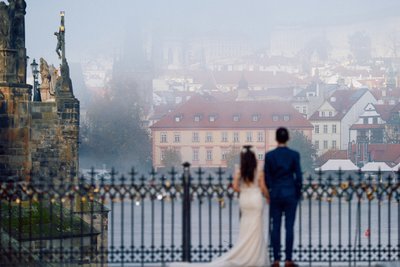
286,117
275,117
255,117
212,118
178,118
178,100
197,117
236,117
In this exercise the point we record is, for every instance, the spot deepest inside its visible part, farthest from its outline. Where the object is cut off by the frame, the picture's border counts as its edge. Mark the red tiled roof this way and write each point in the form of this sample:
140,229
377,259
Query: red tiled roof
389,93
345,99
386,110
341,101
224,111
385,152
331,154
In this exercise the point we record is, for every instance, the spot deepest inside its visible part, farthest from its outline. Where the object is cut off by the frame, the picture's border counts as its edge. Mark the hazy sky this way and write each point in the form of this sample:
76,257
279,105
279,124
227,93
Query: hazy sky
100,26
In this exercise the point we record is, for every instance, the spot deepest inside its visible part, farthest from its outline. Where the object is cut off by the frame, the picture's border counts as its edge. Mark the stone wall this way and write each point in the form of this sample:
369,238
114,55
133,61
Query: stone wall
45,133
37,138
54,139
68,112
15,160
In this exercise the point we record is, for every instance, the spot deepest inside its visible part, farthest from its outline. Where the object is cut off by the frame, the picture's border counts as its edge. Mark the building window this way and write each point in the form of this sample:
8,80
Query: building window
325,144
316,144
212,118
162,154
275,118
209,137
209,155
177,137
304,110
195,155
330,114
196,118
163,137
365,120
195,137
286,117
375,120
178,99
249,137
316,129
224,137
255,117
236,117
334,128
235,137
260,156
260,137
333,144
224,155
325,129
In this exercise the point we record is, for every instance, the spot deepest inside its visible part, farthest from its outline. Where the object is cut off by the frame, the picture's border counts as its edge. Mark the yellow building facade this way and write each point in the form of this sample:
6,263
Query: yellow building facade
206,132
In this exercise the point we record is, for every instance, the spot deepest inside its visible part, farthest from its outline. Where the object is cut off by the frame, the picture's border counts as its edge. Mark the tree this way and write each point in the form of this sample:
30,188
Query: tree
232,158
303,145
113,133
171,158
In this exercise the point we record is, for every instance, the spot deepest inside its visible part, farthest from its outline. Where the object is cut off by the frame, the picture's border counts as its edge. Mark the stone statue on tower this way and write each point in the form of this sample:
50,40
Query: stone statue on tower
60,49
64,83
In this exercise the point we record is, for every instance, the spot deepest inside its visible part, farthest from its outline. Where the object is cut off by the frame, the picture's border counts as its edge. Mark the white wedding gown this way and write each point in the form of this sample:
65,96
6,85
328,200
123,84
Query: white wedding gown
250,249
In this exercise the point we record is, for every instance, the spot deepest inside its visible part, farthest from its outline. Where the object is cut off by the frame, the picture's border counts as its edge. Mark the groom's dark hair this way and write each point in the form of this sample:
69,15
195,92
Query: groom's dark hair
282,135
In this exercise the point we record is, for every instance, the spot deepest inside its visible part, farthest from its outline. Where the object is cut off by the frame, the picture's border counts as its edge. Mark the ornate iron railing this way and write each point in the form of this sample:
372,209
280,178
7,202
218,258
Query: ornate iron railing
193,216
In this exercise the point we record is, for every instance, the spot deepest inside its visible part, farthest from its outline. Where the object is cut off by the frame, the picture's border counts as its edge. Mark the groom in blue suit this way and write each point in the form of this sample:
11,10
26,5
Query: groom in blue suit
283,178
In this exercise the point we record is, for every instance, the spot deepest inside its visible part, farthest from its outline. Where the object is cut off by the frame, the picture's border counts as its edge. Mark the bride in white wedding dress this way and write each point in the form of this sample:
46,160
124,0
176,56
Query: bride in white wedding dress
250,249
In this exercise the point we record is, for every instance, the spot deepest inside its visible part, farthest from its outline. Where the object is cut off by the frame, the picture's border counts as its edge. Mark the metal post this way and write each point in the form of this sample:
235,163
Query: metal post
186,225
35,73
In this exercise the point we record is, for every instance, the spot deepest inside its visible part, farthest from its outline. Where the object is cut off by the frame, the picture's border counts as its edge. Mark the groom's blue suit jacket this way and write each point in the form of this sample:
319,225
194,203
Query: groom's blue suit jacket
283,174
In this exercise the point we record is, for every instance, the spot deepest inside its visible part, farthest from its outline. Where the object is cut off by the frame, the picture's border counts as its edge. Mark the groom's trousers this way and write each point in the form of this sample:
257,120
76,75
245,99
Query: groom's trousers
278,207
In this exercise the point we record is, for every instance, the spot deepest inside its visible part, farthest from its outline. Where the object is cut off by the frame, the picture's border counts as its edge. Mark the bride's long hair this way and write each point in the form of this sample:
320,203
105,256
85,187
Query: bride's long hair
248,164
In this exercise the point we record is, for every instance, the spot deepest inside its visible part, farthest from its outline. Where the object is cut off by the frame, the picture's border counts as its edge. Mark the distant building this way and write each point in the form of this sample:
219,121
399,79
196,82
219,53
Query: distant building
369,128
388,153
205,129
378,124
308,100
333,119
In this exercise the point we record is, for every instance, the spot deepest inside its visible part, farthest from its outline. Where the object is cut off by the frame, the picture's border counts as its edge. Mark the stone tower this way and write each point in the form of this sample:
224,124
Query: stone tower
37,139
15,94
55,123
